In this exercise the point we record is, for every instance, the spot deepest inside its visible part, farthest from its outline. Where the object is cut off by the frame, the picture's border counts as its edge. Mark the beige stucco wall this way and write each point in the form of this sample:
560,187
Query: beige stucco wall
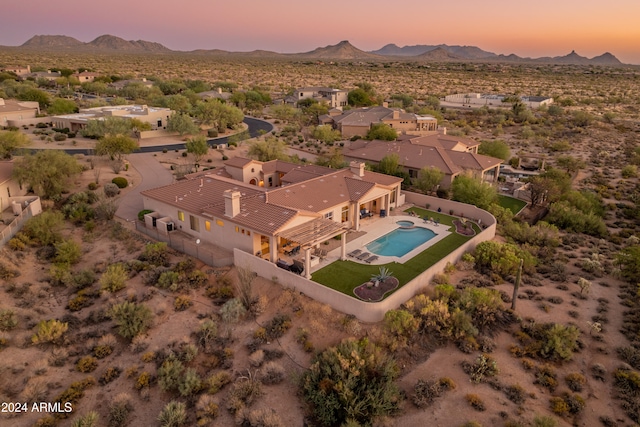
10,189
349,131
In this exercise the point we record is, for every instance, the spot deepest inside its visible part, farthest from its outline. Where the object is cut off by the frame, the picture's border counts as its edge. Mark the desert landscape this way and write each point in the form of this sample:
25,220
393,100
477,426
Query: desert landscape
131,332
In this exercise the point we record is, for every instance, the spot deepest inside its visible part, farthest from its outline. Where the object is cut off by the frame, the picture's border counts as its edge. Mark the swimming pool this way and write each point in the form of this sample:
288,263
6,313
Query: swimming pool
400,241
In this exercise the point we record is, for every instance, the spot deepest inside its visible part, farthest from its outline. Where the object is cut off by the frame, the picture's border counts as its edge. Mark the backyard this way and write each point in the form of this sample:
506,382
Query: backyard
344,276
511,203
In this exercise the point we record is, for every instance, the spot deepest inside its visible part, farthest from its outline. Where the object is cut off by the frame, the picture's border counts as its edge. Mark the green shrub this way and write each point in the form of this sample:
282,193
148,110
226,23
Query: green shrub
142,213
353,374
132,319
182,302
156,254
190,383
216,381
174,414
120,181
8,320
114,278
484,366
119,410
67,252
475,402
170,374
49,331
109,375
92,186
575,381
110,189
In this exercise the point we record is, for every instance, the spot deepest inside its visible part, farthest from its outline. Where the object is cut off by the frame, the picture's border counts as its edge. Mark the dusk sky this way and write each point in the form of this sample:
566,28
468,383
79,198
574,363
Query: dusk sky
536,28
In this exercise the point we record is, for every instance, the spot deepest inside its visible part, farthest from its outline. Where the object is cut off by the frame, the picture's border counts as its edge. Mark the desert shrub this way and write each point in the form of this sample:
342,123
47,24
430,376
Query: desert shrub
114,278
132,319
575,381
206,409
110,189
207,334
88,420
83,279
546,377
8,320
216,381
120,181
87,364
353,374
544,421
516,394
190,383
475,402
156,254
58,357
232,311
243,393
143,381
75,391
627,386
109,375
44,229
558,406
629,354
484,366
170,373
92,186
67,252
426,391
266,417
182,302
552,341
49,331
272,373
277,326
174,414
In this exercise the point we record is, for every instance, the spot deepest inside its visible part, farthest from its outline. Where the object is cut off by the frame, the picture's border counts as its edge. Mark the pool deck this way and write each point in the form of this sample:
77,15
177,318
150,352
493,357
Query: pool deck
380,227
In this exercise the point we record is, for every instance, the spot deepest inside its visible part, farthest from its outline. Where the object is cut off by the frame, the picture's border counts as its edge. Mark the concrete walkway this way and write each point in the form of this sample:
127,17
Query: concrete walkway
153,175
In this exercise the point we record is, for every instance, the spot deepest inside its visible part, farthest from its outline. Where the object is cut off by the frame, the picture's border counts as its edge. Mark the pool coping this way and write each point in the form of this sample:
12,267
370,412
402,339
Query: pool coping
388,224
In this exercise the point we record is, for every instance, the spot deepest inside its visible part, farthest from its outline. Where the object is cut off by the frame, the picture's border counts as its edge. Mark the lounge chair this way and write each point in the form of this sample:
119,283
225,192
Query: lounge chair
371,259
354,253
363,255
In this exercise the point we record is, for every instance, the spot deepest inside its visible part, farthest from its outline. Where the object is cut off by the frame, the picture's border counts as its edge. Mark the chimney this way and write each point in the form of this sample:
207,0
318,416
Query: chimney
219,90
396,114
357,168
385,104
231,203
444,130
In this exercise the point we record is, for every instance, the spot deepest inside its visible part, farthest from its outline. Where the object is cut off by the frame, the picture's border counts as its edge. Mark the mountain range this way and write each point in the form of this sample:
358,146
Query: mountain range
344,51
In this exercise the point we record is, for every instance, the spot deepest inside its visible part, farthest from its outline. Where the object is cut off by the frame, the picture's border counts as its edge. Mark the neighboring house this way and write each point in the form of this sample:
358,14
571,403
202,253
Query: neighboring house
358,121
85,76
215,94
333,97
120,84
11,110
452,155
8,187
156,116
47,75
478,99
265,207
19,71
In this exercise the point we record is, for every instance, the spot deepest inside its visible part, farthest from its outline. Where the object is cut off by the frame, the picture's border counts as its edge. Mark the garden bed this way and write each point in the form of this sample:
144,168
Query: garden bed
368,291
464,228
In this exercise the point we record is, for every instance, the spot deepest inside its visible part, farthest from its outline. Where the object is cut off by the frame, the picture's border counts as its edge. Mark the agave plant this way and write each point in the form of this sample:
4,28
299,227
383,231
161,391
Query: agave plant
382,275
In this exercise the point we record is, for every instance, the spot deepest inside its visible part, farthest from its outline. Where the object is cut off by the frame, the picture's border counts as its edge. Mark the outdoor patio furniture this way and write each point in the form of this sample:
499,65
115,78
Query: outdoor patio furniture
283,264
371,259
293,251
363,256
354,253
297,267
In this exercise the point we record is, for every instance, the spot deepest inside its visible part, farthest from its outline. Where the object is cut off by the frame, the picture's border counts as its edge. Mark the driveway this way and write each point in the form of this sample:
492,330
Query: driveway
153,175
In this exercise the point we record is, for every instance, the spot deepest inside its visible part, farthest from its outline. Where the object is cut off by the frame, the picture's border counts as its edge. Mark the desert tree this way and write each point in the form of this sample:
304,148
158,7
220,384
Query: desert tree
325,133
198,147
115,146
47,172
11,141
271,148
182,123
62,106
498,149
428,178
382,131
470,190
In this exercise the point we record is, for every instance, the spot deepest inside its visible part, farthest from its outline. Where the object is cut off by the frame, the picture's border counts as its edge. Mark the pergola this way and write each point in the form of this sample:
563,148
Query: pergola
313,233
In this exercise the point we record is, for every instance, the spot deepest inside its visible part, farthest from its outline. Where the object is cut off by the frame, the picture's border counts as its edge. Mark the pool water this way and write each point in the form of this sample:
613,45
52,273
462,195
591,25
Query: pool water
400,241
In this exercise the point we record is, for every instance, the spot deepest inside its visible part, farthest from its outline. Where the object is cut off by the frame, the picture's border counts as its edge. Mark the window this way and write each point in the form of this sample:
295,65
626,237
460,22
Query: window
270,181
329,215
345,213
194,223
220,222
207,225
181,215
237,229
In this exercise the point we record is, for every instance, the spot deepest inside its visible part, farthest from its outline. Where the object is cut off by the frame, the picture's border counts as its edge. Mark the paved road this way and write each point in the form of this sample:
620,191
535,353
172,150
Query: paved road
153,175
256,127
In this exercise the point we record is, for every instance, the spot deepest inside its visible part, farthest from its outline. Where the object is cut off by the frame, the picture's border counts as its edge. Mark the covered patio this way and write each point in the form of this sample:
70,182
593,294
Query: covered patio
309,236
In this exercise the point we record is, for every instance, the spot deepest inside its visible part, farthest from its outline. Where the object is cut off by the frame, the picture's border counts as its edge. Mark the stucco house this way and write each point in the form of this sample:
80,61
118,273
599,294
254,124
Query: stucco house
452,155
8,187
495,100
156,116
263,208
85,76
358,121
333,97
12,110
17,70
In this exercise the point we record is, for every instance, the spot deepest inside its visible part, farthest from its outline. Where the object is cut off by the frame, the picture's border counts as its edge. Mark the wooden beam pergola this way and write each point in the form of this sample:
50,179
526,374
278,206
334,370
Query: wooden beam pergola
313,232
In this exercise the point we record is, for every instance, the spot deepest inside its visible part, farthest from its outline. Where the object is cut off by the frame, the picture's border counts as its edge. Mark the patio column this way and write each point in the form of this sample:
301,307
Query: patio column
343,246
273,249
356,218
307,263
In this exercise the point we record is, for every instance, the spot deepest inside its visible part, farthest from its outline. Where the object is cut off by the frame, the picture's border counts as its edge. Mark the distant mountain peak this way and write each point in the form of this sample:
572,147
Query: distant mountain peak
342,50
47,41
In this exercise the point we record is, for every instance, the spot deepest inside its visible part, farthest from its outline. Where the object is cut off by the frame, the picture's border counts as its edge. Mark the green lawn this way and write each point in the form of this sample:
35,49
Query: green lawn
514,205
344,276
